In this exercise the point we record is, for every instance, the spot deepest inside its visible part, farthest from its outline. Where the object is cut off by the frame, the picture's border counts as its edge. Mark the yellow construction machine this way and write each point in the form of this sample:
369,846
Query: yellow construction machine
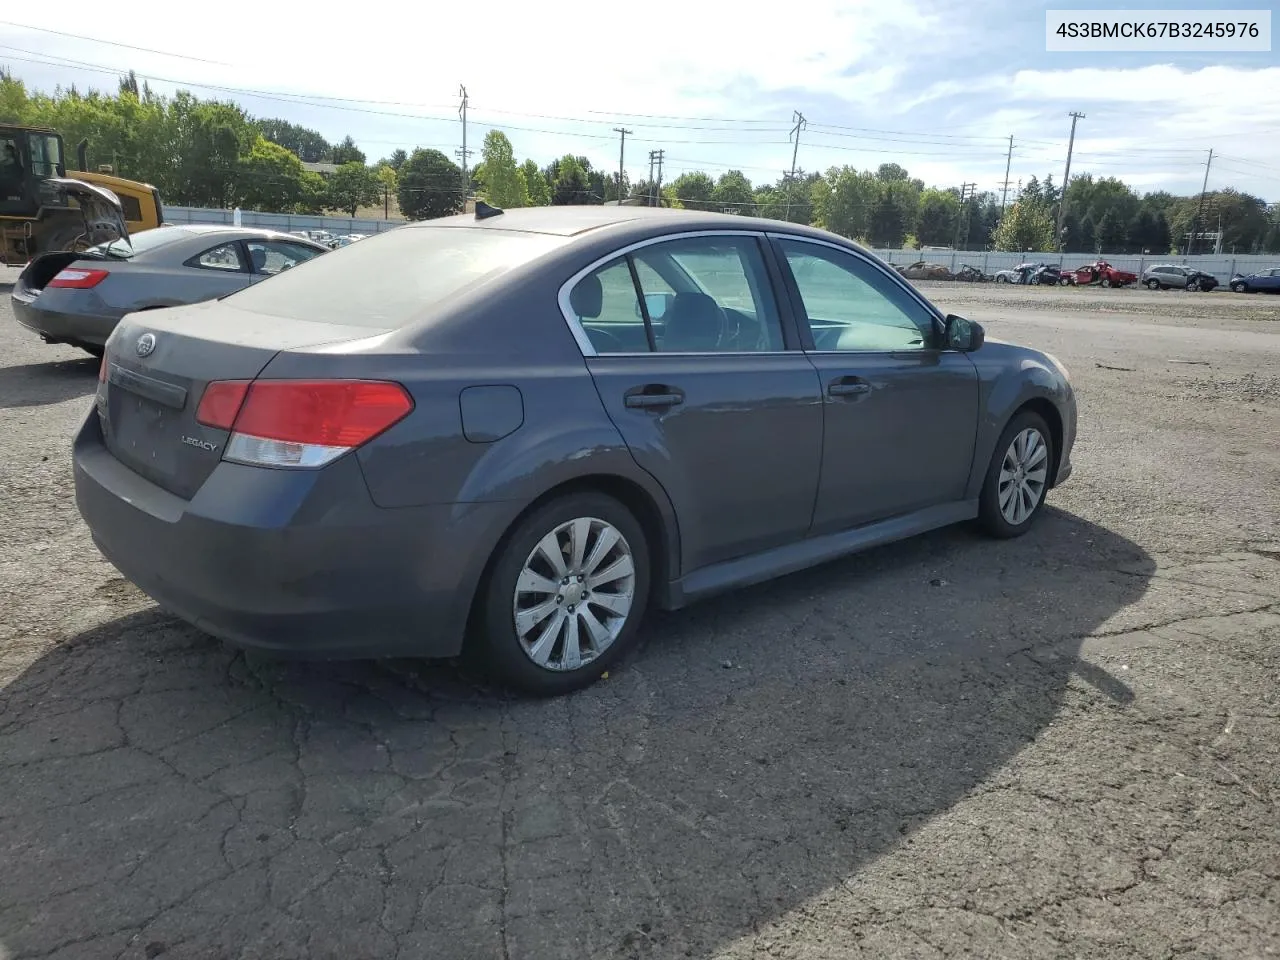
42,210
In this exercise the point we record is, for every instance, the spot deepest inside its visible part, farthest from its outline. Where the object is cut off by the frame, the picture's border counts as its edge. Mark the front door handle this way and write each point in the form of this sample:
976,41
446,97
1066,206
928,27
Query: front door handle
650,401
848,388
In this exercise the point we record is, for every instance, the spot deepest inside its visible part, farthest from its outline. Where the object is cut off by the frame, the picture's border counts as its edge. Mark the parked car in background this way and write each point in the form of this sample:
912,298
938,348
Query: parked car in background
924,270
1036,274
544,422
1175,276
1103,274
1264,281
78,298
971,274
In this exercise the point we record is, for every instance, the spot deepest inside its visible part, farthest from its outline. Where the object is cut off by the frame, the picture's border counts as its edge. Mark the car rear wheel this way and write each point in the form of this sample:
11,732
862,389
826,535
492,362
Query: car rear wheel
1193,286
565,596
1017,477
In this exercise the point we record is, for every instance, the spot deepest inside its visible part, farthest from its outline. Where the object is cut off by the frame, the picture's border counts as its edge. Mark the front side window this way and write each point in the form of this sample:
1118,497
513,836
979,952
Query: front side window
690,295
46,155
850,305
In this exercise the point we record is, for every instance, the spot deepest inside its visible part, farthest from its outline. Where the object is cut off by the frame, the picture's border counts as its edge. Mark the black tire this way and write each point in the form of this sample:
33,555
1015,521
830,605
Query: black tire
1193,286
1105,282
497,647
990,518
1153,284
1002,280
1239,288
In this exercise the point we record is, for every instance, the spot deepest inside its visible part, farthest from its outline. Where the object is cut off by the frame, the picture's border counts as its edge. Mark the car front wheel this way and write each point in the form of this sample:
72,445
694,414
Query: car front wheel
1239,288
565,596
1153,284
1017,477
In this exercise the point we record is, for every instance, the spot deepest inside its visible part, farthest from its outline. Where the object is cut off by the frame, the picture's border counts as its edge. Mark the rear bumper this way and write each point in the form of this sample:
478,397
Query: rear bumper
295,563
57,327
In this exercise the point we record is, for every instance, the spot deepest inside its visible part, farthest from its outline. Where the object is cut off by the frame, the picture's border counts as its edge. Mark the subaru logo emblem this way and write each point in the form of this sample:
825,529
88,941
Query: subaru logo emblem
146,344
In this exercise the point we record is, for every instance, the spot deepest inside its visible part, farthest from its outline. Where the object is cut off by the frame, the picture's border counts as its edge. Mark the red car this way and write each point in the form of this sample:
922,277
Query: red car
1103,274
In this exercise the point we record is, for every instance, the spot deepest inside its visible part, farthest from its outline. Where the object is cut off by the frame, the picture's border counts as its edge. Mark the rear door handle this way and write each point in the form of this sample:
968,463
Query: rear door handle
653,397
848,388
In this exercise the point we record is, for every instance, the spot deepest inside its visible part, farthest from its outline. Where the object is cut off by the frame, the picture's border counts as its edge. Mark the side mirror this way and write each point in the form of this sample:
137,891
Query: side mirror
656,303
964,335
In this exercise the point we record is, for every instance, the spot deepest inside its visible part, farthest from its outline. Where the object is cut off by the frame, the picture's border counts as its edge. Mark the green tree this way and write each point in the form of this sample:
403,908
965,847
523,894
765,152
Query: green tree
694,189
270,179
535,184
733,190
842,201
936,225
347,152
570,183
501,180
309,145
352,186
1111,232
888,221
1025,226
430,186
1088,235
397,159
1031,193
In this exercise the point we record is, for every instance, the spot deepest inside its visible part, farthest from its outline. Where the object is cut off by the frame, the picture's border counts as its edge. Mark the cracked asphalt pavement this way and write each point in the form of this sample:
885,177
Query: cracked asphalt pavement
1061,746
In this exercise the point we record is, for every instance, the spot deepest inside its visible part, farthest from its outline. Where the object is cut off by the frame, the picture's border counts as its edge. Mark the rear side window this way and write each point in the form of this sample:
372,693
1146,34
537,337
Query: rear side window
386,281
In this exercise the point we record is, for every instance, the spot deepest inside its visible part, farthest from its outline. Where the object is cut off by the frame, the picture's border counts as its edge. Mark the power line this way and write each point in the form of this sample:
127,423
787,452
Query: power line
113,43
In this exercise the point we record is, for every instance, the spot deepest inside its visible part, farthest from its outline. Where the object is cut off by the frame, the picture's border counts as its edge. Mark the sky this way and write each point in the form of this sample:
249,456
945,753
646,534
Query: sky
937,86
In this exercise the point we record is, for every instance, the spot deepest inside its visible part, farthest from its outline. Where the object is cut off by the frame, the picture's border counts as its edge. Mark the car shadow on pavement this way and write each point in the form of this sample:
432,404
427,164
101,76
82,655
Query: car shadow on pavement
167,796
40,384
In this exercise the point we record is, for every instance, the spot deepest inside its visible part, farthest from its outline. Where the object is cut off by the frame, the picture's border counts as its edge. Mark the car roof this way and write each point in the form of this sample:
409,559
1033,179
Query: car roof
213,228
614,225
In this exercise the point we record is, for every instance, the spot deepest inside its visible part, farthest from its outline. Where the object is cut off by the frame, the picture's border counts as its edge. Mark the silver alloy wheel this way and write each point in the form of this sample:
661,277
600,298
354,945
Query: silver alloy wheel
574,594
1023,474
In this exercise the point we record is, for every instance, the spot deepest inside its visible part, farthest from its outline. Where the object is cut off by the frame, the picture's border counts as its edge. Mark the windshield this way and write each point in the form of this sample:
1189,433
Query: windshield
153,239
389,280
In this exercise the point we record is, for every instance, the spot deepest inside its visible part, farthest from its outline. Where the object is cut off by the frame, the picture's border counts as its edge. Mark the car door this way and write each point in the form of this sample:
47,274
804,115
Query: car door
901,414
713,399
215,272
1269,281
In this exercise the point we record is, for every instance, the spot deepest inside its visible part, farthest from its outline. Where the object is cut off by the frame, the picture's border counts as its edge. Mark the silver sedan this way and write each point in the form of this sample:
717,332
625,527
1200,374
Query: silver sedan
78,298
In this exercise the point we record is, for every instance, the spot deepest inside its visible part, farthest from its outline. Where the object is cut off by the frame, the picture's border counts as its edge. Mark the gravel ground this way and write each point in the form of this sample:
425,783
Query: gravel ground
1062,746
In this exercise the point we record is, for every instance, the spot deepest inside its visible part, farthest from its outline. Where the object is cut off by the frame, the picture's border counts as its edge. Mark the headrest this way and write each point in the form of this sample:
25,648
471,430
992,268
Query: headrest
693,323
587,297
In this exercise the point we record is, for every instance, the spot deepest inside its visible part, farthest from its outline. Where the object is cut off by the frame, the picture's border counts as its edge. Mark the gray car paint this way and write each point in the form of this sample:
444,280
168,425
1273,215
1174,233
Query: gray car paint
383,551
156,277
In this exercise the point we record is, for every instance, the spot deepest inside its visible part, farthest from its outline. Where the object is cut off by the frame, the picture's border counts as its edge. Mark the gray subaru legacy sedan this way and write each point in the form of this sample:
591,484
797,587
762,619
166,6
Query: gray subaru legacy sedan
511,433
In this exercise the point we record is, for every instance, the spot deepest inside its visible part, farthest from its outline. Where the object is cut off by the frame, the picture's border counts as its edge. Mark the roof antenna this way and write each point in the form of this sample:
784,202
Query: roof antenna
484,211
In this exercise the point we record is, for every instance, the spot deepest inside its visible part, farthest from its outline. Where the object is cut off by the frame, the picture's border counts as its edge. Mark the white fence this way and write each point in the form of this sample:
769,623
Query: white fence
1224,267
287,222
989,261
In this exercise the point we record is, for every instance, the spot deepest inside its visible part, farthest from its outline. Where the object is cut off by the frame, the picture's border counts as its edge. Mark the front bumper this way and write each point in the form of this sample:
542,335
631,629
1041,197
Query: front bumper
295,563
58,327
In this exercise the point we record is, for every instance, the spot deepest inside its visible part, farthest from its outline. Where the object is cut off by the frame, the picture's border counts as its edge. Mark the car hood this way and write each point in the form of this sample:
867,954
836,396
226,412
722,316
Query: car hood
101,209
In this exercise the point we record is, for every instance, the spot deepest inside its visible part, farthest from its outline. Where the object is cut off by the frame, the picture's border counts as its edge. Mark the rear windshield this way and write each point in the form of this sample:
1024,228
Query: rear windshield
140,242
387,280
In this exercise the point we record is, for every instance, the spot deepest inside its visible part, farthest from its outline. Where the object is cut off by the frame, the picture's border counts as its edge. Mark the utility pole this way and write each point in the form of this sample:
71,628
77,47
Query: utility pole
800,123
657,155
1066,177
464,152
1004,195
653,156
1200,207
967,192
622,152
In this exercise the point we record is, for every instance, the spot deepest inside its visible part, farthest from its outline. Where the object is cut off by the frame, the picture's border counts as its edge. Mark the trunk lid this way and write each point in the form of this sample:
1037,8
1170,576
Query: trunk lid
158,363
101,209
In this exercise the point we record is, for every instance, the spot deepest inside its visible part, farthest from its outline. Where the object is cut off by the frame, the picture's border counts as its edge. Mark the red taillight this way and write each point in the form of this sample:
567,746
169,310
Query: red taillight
300,423
78,279
327,413
221,402
102,368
